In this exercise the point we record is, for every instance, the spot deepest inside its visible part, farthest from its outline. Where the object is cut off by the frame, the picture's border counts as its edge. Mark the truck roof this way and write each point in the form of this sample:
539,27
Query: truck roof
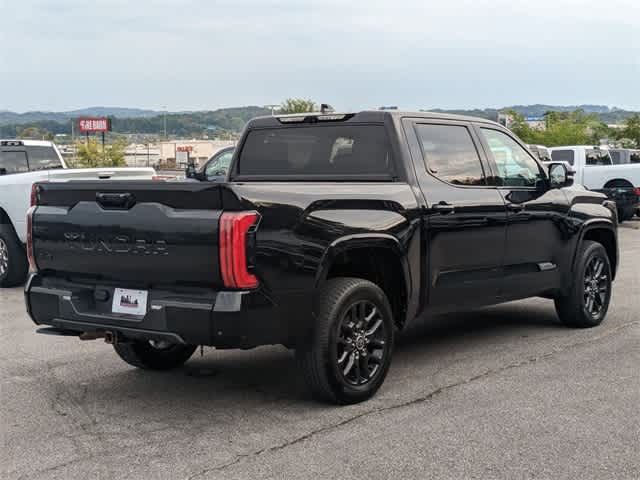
27,143
372,116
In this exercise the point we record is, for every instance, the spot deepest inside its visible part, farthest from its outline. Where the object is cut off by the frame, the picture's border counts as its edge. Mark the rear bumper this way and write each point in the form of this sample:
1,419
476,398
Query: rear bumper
181,315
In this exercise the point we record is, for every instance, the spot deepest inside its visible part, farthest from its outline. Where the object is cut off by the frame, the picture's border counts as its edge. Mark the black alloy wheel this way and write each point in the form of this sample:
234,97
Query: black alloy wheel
596,286
360,346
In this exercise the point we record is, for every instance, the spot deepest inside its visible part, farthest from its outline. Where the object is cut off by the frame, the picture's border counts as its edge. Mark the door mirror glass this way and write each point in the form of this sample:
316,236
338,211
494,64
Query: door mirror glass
558,175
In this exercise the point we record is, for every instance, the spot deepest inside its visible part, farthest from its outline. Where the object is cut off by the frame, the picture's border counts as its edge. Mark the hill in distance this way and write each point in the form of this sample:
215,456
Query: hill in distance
230,120
7,117
537,110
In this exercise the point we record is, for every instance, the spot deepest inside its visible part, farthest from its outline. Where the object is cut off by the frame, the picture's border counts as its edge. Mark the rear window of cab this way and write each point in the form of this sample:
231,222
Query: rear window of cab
317,151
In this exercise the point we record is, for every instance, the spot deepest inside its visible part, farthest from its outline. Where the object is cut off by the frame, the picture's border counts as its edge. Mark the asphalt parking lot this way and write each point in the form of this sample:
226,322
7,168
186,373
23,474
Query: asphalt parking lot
503,392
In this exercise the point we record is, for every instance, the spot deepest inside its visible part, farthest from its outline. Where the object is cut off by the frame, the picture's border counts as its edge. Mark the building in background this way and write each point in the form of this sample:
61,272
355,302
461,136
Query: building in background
171,153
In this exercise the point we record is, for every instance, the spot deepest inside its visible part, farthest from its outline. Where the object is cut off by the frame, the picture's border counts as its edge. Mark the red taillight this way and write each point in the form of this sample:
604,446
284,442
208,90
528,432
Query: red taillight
637,191
34,194
234,229
34,201
30,256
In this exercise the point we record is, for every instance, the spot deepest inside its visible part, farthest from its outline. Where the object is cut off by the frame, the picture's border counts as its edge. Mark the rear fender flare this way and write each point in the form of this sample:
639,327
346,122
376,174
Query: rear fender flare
365,240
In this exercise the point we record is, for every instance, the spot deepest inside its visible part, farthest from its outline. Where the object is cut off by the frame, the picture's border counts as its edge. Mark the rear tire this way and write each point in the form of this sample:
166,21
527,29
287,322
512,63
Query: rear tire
587,303
13,259
348,356
143,354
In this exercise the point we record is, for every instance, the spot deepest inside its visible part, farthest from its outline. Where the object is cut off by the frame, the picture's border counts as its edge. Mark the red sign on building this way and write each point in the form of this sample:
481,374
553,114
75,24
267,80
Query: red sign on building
90,125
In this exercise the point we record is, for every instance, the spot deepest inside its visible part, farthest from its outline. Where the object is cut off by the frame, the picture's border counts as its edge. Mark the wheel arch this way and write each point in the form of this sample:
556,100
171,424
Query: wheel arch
379,258
604,233
4,217
618,182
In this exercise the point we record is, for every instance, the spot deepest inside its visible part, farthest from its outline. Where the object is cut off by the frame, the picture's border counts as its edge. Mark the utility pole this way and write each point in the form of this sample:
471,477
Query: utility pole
73,142
164,116
273,108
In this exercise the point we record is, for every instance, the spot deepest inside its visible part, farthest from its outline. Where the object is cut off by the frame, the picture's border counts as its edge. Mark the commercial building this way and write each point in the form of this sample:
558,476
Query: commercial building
176,151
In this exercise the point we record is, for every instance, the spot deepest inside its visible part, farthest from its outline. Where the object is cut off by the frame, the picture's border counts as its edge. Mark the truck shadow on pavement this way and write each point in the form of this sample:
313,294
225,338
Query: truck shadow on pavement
258,377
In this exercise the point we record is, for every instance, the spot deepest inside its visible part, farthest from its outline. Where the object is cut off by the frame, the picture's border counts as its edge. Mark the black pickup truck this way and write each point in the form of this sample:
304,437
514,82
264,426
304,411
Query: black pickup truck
331,233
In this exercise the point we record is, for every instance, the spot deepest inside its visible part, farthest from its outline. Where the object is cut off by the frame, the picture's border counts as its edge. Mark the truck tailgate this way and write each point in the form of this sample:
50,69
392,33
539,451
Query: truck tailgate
130,232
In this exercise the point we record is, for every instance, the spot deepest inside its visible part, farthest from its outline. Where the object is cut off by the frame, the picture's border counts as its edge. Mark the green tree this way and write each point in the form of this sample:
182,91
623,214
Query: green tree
631,130
520,127
297,105
91,154
561,128
36,133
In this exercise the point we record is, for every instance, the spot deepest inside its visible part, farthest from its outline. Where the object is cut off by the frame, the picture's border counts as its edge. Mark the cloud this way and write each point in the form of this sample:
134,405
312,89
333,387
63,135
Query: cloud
205,54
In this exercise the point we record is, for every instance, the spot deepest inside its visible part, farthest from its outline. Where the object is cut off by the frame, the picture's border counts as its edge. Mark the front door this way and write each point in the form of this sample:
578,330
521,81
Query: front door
465,218
536,229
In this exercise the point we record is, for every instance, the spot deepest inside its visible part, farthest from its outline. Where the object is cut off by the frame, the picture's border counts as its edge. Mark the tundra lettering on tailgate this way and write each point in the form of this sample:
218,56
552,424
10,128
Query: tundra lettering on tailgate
117,244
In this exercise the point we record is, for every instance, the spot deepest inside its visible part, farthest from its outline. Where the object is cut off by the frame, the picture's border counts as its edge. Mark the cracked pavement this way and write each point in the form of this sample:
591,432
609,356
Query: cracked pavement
500,392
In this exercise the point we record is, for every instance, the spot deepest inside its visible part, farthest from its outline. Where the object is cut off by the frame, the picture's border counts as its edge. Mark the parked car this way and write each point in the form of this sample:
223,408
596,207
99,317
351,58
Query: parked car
594,168
331,232
22,163
215,169
540,152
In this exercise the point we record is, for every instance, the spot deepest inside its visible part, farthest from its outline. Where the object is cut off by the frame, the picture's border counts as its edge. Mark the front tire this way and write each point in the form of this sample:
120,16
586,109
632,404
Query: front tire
13,259
587,303
151,355
349,354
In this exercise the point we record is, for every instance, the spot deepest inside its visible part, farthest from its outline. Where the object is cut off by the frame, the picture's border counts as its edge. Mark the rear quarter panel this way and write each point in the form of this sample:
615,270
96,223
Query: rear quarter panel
301,221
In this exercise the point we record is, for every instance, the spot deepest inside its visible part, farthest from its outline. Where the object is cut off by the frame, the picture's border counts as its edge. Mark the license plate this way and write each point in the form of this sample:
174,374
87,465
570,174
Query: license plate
129,302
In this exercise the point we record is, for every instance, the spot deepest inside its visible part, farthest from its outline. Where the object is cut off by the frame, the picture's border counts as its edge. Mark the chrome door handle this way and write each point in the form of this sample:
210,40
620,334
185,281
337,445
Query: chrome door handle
443,208
515,207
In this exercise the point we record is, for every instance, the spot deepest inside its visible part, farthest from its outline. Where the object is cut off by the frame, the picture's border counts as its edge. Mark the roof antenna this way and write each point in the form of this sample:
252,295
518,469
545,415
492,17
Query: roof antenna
326,108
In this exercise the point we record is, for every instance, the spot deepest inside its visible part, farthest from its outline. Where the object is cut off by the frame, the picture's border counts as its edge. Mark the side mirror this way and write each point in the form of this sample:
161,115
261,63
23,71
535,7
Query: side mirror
3,171
559,174
190,171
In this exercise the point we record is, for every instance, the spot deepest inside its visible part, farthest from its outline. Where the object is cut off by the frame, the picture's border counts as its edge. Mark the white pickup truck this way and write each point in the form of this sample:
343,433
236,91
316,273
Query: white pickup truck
595,170
22,163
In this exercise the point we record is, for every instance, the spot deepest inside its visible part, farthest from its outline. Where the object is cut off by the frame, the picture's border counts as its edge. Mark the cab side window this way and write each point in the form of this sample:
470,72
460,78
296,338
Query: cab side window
563,156
450,154
515,167
596,157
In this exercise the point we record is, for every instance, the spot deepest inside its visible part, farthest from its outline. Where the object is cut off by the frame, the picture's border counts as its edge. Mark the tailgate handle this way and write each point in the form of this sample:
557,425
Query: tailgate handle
123,201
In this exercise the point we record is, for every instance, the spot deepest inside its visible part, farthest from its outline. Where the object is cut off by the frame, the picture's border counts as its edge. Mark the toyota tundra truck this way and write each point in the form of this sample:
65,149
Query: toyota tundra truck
331,234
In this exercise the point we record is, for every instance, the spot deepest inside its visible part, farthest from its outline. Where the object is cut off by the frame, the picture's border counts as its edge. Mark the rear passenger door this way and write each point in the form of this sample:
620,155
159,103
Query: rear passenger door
465,220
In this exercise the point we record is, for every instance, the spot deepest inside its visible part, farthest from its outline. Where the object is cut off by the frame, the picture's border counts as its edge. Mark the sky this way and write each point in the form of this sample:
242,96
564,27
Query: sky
201,55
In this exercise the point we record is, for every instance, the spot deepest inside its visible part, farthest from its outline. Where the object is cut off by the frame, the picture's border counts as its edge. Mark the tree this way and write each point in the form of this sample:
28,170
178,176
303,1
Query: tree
91,155
631,130
33,132
562,128
297,105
